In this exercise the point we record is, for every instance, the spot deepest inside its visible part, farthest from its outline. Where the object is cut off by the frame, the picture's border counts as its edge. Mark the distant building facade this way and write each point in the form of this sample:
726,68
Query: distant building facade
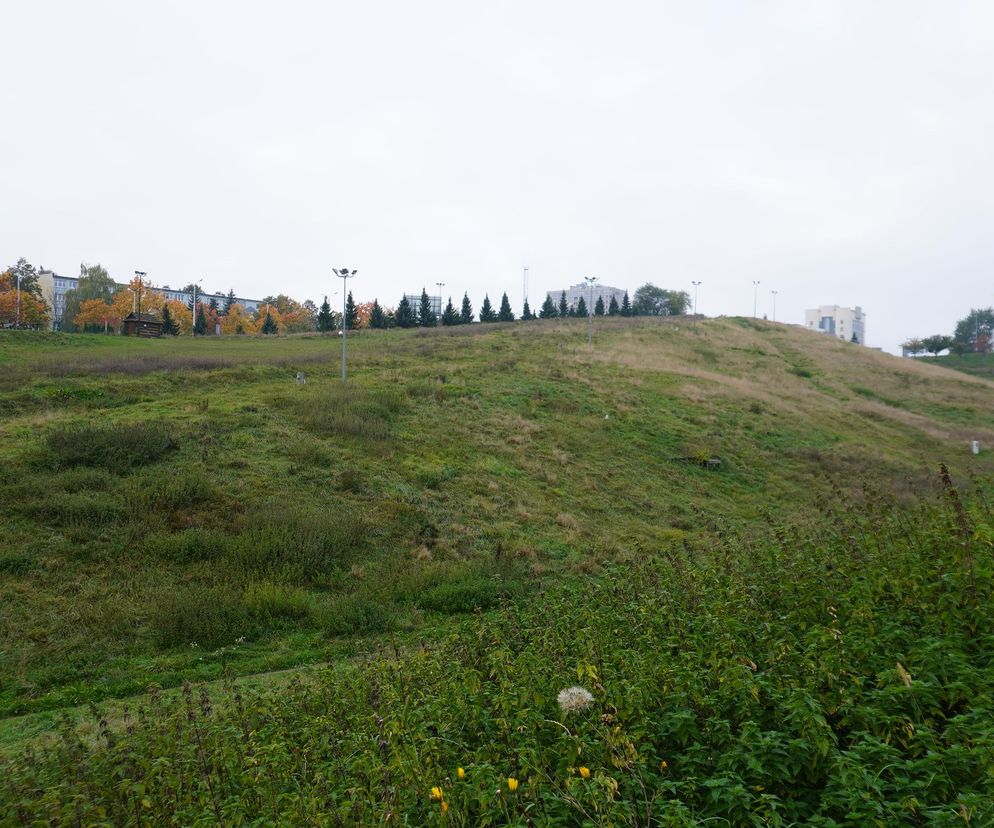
573,294
434,301
54,288
837,321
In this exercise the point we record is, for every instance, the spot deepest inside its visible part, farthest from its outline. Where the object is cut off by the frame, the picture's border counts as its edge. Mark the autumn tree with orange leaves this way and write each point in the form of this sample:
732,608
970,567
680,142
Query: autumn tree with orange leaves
33,311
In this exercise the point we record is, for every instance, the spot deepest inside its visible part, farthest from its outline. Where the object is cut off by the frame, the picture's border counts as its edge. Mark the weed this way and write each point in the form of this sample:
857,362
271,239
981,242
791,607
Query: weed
116,447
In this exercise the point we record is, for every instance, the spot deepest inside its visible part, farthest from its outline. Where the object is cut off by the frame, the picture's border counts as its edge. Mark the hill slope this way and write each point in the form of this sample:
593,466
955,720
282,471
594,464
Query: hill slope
177,509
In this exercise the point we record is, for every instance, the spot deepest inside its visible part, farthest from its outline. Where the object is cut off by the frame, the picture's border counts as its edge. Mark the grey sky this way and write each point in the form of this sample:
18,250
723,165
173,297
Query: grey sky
838,152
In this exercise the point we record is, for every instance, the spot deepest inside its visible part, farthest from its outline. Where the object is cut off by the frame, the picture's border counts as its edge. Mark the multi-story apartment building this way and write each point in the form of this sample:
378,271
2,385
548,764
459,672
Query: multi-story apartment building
837,321
55,287
589,295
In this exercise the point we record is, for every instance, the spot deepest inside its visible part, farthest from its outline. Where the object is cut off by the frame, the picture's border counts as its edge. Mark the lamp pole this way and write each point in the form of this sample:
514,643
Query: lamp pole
590,308
193,318
345,274
440,286
774,292
138,324
755,296
17,322
696,285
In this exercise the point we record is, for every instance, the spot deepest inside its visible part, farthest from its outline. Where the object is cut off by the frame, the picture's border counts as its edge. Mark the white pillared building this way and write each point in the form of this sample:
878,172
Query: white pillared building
843,323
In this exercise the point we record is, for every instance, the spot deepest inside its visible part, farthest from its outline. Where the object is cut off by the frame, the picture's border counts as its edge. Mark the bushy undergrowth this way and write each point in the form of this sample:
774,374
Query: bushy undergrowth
117,447
344,411
842,675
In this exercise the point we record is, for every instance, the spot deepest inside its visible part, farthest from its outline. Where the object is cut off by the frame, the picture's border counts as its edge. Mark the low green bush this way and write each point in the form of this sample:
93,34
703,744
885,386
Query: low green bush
117,447
352,615
466,594
201,615
269,601
187,546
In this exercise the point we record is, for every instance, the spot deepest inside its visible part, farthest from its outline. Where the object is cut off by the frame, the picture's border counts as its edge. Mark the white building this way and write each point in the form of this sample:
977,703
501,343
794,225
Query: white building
837,321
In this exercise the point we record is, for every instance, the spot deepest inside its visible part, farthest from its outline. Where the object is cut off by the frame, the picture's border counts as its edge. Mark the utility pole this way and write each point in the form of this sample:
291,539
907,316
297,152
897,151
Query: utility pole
696,285
774,304
590,309
138,325
755,296
345,275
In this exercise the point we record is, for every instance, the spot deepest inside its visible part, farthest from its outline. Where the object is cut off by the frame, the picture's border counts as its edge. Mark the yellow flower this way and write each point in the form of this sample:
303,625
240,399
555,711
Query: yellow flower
512,784
663,765
584,772
460,773
445,806
436,793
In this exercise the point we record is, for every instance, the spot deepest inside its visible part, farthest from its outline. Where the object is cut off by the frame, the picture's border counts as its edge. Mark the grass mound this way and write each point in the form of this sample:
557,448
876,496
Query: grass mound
116,447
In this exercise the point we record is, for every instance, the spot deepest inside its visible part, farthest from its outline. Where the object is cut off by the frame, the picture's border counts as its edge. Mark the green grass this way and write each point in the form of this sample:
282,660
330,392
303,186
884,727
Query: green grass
980,365
177,509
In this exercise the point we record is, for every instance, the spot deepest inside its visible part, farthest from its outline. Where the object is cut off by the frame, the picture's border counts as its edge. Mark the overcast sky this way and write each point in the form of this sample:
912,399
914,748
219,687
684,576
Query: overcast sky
840,153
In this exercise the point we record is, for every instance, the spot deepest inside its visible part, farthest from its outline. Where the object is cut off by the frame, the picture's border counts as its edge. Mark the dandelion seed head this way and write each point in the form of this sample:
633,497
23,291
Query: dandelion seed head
574,699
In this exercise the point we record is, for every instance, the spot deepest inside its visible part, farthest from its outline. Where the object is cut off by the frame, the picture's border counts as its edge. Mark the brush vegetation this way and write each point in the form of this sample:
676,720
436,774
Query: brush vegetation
480,519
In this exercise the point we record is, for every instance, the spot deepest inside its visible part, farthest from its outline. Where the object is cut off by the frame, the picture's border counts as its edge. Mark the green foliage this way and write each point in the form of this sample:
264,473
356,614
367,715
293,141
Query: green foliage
269,326
351,313
326,319
975,332
563,306
405,316
94,283
200,326
612,308
487,313
352,615
466,312
526,312
169,325
837,675
196,614
426,316
269,601
655,301
450,316
117,447
505,314
377,318
345,411
626,307
581,308
467,594
548,309
599,306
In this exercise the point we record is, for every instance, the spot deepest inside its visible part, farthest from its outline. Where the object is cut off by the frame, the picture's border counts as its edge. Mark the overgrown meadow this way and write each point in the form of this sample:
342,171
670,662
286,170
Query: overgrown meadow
413,566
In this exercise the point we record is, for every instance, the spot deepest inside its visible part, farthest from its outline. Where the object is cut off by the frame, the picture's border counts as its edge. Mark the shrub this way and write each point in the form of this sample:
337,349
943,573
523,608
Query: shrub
207,616
353,615
345,411
118,447
270,601
90,509
299,543
187,546
469,593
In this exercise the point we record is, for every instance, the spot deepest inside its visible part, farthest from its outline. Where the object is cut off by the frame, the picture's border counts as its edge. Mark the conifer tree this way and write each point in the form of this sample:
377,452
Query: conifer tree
169,326
505,314
326,319
581,308
548,310
213,304
563,307
426,315
526,312
466,314
377,318
200,327
229,300
405,316
487,311
599,306
626,306
450,316
269,325
351,313
612,308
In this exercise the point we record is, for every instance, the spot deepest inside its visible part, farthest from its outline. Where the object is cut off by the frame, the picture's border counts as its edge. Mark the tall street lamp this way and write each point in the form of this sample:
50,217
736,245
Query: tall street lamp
193,319
696,285
345,274
141,275
17,319
590,309
440,286
774,292
755,296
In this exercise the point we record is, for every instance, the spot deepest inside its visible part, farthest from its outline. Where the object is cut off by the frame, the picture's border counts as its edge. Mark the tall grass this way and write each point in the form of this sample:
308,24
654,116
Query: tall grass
116,447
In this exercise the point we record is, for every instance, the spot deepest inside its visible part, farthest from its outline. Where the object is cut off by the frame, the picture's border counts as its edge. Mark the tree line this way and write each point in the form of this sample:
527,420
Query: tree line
99,304
974,333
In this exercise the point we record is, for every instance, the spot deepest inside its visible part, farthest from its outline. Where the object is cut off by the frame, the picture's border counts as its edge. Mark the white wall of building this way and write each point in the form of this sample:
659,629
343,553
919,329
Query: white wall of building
837,321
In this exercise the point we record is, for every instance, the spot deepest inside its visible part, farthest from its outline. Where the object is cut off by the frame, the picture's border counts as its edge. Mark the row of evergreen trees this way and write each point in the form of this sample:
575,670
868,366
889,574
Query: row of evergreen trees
408,315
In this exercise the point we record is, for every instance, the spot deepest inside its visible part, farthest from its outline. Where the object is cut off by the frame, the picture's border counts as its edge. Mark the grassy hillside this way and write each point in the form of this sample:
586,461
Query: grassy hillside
180,509
980,365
